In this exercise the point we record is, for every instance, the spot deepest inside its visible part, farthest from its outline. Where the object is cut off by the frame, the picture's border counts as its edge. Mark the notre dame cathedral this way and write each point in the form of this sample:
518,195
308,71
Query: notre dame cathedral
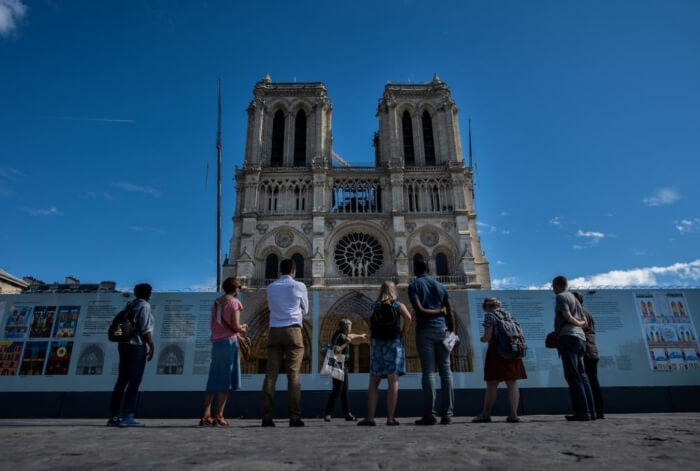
348,227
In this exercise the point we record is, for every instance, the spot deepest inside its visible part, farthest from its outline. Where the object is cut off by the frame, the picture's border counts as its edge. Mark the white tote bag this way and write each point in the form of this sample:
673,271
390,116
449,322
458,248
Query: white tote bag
333,365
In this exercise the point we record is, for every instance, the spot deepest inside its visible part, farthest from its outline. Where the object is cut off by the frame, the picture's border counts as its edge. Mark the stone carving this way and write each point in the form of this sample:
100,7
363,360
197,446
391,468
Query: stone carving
447,225
307,227
410,227
429,238
262,228
330,224
467,251
386,225
284,239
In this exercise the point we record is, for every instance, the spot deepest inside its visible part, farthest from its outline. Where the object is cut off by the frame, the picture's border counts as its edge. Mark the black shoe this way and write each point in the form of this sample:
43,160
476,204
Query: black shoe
367,423
578,418
268,423
392,422
350,418
426,421
446,421
296,423
600,415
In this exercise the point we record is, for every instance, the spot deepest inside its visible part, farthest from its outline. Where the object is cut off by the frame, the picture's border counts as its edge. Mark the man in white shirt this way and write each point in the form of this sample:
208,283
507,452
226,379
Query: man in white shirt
288,302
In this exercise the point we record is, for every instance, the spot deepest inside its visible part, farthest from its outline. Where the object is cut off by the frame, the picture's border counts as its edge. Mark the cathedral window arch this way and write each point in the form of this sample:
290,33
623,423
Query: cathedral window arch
277,144
428,139
442,267
417,257
271,267
299,262
408,149
300,139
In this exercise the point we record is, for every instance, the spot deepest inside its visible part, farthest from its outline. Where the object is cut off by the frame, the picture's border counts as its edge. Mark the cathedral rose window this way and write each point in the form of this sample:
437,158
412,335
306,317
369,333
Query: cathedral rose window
358,254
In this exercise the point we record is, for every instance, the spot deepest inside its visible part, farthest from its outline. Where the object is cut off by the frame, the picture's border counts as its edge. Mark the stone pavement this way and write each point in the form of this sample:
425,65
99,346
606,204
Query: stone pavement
632,441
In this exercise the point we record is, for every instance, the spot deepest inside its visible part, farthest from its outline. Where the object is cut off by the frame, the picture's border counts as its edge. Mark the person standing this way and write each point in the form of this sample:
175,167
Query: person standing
341,344
288,302
431,304
497,368
225,366
590,359
388,357
133,356
569,322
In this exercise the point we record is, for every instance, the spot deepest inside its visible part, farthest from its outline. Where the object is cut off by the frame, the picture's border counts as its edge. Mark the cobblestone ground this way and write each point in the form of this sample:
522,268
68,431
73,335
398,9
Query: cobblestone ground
633,441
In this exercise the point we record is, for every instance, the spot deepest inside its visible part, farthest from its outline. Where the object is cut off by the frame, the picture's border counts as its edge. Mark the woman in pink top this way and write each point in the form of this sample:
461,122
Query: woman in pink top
225,367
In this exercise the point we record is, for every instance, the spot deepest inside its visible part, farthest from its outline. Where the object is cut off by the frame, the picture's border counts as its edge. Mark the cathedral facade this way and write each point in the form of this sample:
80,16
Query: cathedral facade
347,227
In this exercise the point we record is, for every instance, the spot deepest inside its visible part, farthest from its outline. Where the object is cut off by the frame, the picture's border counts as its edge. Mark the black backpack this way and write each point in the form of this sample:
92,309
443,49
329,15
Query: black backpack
384,323
122,328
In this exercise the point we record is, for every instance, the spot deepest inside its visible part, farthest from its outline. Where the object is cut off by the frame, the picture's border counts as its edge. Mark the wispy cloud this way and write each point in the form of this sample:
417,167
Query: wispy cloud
9,173
146,229
662,196
593,235
93,195
206,286
687,226
93,119
503,213
52,211
579,247
126,186
11,12
500,262
555,221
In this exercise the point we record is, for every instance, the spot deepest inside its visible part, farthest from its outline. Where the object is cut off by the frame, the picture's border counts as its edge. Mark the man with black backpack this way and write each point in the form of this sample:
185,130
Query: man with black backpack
133,355
432,307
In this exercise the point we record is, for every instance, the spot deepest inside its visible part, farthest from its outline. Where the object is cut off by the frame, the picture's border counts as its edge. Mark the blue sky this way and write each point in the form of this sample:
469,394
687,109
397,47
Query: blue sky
585,119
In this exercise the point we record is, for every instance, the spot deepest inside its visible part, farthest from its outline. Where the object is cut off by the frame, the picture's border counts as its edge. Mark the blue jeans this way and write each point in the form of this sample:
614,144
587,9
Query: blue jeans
572,350
430,349
132,362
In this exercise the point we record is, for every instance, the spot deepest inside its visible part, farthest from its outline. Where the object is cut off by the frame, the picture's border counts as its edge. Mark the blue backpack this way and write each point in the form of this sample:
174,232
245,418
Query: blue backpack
510,341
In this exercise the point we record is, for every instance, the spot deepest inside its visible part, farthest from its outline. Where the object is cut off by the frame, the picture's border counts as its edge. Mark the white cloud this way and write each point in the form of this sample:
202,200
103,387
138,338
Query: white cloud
504,283
687,226
52,211
661,197
208,285
678,274
485,225
136,188
500,262
9,173
505,231
503,213
596,236
555,221
11,12
578,247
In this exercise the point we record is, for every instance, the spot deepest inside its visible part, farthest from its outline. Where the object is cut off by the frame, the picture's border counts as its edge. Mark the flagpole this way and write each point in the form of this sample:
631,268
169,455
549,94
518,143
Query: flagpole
218,197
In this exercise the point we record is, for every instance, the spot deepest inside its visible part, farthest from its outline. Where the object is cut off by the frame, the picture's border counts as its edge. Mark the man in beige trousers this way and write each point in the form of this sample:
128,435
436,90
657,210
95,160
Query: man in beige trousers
288,302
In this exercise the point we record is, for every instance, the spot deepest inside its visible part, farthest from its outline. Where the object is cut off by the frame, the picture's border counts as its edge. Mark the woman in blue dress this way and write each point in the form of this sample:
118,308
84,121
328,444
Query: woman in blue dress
388,358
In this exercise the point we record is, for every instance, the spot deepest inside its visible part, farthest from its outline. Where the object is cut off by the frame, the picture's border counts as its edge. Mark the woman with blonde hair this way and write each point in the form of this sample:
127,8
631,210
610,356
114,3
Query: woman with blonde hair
497,368
388,358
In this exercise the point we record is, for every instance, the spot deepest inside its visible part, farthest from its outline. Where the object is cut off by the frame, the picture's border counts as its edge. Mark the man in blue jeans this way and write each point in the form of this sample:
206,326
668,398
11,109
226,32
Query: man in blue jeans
432,307
569,322
132,361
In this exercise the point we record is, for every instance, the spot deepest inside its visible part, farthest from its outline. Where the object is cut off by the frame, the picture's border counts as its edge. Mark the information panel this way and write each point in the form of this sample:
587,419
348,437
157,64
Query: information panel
58,342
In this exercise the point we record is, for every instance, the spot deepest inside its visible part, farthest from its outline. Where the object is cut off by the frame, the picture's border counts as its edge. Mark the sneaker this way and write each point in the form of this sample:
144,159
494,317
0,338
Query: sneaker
113,421
426,421
446,421
129,421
